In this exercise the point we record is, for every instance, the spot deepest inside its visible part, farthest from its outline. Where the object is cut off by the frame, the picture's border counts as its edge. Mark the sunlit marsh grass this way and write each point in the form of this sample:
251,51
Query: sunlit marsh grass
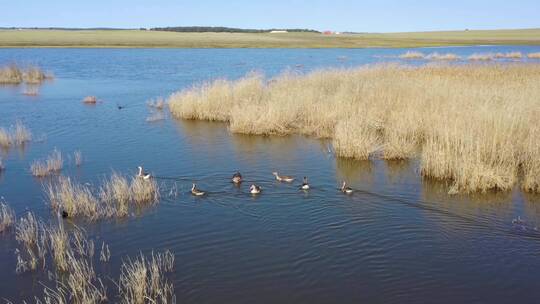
68,256
114,198
470,124
7,217
12,74
51,165
17,134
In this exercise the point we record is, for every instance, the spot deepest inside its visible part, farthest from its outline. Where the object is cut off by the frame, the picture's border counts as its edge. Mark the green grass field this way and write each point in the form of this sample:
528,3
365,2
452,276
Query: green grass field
141,38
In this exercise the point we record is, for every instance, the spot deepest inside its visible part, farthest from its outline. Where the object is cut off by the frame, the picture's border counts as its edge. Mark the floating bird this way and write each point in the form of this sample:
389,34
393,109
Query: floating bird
65,214
305,185
237,178
345,189
196,191
143,174
283,178
119,107
518,221
254,189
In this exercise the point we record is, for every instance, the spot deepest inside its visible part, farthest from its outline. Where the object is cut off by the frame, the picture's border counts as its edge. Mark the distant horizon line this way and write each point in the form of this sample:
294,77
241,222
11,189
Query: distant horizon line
233,29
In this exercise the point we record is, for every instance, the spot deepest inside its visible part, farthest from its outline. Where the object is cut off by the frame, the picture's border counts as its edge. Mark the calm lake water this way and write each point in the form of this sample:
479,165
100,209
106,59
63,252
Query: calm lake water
397,239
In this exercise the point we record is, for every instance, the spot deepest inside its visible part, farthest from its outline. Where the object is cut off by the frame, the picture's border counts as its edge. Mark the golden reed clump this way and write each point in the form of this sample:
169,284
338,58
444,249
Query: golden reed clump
12,74
7,216
17,135
52,165
114,198
472,124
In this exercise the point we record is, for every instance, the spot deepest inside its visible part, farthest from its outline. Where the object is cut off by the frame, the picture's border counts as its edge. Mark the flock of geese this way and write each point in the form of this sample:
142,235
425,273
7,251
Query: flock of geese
254,188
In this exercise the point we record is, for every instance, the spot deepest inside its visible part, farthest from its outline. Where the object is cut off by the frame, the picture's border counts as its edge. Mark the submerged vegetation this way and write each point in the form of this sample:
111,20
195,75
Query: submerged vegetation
12,74
470,124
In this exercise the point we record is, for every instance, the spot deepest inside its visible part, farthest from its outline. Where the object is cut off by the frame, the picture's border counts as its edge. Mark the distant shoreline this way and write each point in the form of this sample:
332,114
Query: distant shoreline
53,38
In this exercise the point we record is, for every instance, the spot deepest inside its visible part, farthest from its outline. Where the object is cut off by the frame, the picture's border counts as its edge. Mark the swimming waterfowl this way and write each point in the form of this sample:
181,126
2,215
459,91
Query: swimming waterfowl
254,189
345,189
305,185
65,214
283,178
143,174
237,178
196,191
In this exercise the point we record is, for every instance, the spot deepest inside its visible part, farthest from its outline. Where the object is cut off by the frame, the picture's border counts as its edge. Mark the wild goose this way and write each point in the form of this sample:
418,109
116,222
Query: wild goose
283,178
196,191
305,185
143,174
237,178
345,189
254,189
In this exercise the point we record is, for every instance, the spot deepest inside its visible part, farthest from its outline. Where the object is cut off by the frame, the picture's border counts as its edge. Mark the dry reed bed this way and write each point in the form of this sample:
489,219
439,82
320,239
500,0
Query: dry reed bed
7,217
142,279
51,165
90,100
12,74
474,57
114,198
472,124
69,258
16,135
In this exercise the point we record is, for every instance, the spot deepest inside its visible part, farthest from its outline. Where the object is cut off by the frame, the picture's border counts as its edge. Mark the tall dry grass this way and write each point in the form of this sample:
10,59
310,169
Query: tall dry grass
412,55
482,57
144,192
158,103
21,134
447,56
509,55
7,217
114,198
34,75
29,232
142,280
5,138
470,124
17,134
76,199
116,195
51,165
77,156
71,257
12,74
68,258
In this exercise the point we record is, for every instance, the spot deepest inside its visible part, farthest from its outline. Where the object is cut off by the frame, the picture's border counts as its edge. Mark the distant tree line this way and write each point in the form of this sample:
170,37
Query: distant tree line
221,29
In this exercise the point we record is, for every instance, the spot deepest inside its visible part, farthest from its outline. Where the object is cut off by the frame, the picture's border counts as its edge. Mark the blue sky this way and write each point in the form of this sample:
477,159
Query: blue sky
339,15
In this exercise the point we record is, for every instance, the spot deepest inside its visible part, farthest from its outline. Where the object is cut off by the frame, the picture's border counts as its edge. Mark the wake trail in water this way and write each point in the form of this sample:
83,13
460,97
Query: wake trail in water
314,192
